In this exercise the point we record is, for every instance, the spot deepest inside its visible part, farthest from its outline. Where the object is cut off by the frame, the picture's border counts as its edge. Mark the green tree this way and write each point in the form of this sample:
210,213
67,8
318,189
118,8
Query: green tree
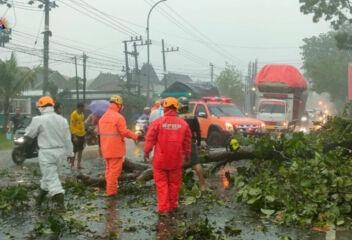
12,81
326,66
337,12
230,84
72,83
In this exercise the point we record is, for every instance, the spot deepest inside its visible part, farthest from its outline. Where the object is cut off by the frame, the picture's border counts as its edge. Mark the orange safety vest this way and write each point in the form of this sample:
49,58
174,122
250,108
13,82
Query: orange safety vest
112,131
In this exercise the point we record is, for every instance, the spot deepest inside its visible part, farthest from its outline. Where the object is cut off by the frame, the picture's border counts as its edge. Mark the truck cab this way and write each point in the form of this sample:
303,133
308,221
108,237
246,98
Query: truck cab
281,96
275,113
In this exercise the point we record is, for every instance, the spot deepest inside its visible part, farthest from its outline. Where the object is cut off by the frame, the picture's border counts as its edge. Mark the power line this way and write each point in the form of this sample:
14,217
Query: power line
101,56
199,32
192,32
91,15
109,17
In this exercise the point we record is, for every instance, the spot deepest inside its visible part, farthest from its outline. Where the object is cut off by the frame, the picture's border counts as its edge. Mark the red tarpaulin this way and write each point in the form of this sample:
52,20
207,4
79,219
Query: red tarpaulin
350,81
280,76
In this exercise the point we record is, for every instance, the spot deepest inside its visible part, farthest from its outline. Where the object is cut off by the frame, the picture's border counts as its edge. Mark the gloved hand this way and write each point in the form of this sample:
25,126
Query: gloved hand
146,157
135,137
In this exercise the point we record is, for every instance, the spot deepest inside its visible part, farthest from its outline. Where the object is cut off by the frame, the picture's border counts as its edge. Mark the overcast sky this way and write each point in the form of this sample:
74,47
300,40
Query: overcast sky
217,31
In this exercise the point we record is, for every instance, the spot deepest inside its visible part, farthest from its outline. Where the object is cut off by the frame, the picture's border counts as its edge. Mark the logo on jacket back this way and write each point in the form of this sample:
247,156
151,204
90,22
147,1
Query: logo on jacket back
169,126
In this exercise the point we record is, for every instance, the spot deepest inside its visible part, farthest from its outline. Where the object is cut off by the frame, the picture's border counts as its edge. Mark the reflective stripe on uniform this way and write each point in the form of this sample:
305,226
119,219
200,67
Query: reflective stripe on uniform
110,134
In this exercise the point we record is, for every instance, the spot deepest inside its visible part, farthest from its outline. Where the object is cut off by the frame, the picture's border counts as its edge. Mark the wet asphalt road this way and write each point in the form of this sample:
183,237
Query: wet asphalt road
134,151
93,166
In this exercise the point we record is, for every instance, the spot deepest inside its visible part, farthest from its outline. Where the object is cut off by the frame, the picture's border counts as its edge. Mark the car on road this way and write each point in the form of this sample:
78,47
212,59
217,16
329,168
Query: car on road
219,118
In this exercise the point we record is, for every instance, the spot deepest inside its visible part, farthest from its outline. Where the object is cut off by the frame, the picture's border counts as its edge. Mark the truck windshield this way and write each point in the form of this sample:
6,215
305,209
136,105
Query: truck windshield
224,110
272,108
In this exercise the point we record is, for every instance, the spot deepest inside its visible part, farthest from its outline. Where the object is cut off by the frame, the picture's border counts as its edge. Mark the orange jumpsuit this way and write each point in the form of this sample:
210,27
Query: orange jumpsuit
113,130
171,137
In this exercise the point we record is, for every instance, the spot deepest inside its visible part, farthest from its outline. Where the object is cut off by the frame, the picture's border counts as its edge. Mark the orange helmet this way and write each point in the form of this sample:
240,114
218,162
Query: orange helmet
170,101
45,101
157,103
116,99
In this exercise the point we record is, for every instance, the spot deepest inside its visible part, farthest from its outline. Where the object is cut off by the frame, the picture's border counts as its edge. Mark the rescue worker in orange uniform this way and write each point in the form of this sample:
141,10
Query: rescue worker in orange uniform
156,106
171,137
113,131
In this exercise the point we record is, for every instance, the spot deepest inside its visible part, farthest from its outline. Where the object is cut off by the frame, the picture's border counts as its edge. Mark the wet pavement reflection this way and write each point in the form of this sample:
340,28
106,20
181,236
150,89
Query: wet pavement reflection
133,214
111,226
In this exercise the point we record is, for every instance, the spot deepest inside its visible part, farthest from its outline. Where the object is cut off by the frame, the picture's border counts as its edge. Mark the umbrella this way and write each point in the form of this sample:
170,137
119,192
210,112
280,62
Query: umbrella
99,107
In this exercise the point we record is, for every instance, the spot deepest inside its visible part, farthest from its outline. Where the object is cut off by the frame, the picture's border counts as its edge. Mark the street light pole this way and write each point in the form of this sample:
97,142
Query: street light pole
148,50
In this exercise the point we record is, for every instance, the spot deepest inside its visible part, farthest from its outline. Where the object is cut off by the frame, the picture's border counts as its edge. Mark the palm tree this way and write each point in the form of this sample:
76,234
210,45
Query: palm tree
13,80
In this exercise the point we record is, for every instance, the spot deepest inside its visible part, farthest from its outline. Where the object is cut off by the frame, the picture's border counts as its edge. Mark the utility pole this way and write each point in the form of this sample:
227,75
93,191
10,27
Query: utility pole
135,55
164,58
84,77
5,37
211,72
47,33
127,68
77,93
136,67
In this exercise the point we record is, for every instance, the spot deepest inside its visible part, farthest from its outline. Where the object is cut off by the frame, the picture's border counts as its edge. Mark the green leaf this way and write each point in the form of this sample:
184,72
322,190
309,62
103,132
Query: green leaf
340,222
285,238
189,200
348,197
254,191
195,192
253,200
270,198
267,212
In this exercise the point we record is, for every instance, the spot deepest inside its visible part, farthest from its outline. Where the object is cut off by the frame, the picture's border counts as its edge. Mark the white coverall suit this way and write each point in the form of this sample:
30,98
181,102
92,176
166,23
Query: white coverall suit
54,141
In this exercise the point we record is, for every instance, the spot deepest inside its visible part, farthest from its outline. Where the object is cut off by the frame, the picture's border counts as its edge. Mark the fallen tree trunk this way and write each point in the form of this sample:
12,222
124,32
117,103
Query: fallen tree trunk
142,172
145,176
222,156
130,166
100,182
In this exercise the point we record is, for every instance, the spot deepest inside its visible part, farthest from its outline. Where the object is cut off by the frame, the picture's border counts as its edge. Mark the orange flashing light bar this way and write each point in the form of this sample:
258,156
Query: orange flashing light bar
217,99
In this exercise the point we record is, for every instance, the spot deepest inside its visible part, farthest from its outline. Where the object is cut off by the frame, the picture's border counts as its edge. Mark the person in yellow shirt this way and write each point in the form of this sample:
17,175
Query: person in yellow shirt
78,133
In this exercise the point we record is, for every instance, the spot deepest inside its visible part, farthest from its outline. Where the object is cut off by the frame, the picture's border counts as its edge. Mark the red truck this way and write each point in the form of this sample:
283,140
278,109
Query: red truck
281,96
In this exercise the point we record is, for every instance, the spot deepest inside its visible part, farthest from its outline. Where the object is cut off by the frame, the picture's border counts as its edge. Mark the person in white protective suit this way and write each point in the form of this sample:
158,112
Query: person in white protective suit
54,141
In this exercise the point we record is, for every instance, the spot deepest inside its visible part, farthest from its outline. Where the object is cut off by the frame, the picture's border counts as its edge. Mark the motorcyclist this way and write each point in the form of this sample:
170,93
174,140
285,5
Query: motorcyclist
146,114
156,105
144,119
113,131
193,123
171,137
54,141
159,112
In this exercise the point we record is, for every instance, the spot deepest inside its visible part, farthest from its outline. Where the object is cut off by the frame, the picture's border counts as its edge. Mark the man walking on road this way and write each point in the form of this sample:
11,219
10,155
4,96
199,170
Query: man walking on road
17,121
113,131
78,133
171,137
55,145
193,124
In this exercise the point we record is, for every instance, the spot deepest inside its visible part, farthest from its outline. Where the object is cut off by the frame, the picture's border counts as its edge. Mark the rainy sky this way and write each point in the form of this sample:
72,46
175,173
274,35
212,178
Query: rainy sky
216,31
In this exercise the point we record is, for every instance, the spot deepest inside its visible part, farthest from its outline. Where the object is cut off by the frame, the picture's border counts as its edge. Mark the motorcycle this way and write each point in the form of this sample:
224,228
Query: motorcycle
141,128
24,147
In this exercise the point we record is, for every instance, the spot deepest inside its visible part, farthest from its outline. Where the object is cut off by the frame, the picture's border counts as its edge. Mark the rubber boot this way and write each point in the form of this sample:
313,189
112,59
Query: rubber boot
41,197
58,200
